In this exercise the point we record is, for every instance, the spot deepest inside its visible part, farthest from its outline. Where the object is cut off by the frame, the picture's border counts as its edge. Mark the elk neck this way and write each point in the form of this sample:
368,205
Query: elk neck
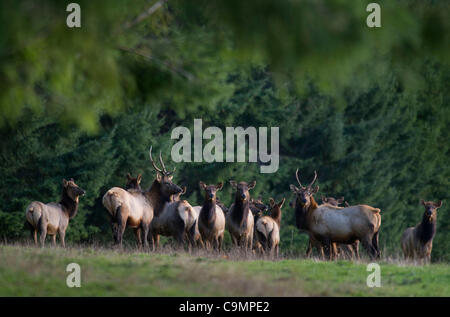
156,198
69,206
276,215
426,229
303,213
208,211
241,210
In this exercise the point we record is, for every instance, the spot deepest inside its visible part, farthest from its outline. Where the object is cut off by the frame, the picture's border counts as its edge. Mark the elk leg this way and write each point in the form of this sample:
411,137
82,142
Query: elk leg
62,236
138,234
234,240
54,240
309,250
375,244
145,228
43,232
156,241
220,243
122,223
367,244
356,248
35,237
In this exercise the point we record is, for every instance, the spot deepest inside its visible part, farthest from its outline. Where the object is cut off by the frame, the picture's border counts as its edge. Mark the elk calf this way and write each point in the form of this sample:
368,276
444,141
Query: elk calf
267,228
211,219
417,241
53,218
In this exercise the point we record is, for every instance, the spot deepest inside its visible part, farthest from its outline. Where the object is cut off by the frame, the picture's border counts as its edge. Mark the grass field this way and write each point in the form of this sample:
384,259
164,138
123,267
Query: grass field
29,271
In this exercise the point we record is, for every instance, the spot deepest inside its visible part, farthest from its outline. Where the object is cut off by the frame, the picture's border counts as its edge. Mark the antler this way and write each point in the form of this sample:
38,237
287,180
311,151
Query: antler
162,163
315,178
298,180
153,162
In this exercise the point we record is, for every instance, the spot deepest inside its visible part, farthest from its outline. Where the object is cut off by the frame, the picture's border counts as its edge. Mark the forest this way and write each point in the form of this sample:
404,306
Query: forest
368,109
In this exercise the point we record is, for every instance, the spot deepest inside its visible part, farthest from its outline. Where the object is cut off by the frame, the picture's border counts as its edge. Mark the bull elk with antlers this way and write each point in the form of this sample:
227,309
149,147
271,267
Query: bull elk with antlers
53,218
172,216
328,224
136,208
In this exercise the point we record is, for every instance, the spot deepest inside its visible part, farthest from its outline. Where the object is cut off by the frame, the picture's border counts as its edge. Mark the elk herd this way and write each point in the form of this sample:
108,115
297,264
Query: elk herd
253,226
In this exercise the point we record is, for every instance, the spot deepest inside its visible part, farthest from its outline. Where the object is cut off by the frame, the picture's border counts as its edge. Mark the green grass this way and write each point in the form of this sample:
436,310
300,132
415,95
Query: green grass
29,271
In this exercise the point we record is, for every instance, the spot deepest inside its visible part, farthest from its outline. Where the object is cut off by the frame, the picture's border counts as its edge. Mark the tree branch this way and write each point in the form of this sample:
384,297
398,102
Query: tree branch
172,68
145,14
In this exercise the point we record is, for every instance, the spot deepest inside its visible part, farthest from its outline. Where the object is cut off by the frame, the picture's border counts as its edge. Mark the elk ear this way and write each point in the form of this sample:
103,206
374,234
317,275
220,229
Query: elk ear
438,204
183,191
315,190
65,182
219,186
251,185
271,202
158,177
324,199
340,200
202,185
128,176
347,204
294,189
281,203
422,202
139,178
233,184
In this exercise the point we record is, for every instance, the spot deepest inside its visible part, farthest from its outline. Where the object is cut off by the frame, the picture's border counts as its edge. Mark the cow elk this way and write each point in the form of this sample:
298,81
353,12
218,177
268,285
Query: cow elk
211,219
417,241
239,220
328,224
53,218
128,207
267,228
133,183
348,250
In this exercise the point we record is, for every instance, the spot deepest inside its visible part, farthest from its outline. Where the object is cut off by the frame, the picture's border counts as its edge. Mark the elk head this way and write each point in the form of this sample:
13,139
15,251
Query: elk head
242,189
133,183
210,190
164,178
72,190
176,197
332,201
430,209
257,206
275,209
304,193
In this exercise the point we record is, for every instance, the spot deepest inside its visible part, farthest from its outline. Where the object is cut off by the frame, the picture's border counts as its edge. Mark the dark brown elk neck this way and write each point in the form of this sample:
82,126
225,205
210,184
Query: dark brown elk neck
302,214
426,229
70,207
276,215
208,211
156,198
241,210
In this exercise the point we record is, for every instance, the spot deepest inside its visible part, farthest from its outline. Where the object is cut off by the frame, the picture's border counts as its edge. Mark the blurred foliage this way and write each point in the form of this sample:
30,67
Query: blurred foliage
367,108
